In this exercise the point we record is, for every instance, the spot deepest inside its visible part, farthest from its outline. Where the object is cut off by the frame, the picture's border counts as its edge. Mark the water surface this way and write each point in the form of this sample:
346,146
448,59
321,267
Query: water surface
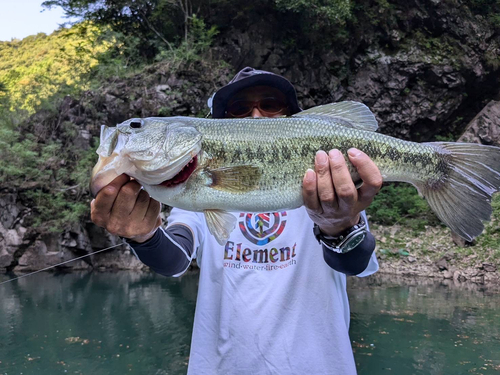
424,327
126,322
96,323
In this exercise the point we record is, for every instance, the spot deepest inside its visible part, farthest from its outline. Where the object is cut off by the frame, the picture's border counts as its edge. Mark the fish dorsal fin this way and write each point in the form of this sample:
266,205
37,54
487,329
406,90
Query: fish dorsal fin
220,224
235,179
351,114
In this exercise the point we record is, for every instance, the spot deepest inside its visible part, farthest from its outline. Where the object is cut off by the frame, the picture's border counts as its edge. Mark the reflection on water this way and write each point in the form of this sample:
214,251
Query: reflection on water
424,327
98,323
117,323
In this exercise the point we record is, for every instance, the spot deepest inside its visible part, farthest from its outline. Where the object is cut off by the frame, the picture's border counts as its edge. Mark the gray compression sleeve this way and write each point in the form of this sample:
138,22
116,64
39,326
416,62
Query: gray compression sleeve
355,261
168,252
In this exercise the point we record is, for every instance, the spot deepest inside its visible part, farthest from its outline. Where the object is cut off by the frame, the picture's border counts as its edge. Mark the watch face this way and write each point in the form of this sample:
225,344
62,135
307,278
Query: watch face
353,242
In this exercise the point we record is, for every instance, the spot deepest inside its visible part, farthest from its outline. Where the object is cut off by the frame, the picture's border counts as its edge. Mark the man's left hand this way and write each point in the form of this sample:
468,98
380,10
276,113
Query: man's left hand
331,199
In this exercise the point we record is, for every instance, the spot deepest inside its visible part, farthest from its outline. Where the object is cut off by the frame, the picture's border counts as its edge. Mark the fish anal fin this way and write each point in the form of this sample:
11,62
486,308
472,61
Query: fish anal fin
236,179
220,224
350,114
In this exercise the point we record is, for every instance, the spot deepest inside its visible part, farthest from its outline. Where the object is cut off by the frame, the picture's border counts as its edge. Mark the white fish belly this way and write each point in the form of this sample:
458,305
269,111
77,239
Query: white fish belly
207,198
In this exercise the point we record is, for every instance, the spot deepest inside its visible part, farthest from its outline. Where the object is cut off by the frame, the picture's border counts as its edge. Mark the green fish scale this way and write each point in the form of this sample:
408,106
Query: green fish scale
284,156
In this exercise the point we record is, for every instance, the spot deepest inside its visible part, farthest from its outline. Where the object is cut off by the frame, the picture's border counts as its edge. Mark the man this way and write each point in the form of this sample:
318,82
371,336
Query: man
273,299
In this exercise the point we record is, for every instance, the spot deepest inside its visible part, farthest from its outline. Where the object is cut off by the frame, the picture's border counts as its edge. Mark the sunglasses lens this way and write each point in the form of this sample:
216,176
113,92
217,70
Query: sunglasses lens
272,105
240,108
268,106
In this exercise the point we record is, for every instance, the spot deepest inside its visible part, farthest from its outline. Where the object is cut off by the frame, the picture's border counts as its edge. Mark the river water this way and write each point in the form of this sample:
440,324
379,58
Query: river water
126,322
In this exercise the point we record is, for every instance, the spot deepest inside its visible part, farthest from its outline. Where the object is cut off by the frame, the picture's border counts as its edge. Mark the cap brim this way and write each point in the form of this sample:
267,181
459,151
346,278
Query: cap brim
222,96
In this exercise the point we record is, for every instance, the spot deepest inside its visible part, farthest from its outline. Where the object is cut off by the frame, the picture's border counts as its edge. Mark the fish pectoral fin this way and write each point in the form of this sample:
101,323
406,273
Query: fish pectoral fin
108,141
236,179
220,224
350,114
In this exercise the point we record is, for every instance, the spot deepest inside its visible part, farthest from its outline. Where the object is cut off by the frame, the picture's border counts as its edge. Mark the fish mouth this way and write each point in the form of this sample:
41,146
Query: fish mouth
183,174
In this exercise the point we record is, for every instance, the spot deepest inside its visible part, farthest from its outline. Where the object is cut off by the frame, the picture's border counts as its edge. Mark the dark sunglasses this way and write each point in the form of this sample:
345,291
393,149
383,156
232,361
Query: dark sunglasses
267,106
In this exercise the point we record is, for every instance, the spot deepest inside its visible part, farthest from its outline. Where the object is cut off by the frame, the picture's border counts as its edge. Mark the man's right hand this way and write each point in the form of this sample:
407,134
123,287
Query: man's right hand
123,208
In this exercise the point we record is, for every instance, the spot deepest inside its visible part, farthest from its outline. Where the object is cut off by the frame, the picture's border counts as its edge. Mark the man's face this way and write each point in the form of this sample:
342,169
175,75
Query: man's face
257,101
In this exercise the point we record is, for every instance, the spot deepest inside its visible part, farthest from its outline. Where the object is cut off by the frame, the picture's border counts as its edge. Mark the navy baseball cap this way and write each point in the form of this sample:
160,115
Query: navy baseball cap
249,77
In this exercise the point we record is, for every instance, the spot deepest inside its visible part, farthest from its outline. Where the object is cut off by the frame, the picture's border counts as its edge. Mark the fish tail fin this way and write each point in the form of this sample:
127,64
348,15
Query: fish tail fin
462,199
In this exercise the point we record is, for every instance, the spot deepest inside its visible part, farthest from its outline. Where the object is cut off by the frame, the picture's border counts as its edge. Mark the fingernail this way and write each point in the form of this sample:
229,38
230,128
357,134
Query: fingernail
309,175
354,152
335,154
321,157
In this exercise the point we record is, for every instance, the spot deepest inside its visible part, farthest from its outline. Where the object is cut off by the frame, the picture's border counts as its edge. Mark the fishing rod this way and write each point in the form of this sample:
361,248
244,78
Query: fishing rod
60,264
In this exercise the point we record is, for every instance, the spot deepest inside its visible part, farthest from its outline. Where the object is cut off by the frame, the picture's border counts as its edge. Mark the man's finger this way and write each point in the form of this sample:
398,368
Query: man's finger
126,200
310,192
368,172
107,195
152,216
326,192
342,180
141,206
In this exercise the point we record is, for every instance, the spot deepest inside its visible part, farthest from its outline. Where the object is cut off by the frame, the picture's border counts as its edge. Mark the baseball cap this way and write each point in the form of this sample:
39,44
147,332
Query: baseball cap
248,77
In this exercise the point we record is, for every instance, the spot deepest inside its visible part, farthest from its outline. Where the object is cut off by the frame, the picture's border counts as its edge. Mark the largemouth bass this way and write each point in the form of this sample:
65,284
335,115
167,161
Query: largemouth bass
257,165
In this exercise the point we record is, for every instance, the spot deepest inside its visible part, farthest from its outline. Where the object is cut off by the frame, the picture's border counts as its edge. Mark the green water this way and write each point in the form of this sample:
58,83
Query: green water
117,323
99,323
419,326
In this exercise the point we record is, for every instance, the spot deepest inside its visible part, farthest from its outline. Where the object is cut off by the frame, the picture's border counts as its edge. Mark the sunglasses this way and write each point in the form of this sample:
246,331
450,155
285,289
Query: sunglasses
267,106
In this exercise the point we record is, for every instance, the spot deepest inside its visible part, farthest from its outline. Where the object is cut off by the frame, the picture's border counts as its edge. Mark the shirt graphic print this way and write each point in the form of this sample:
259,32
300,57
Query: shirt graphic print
256,250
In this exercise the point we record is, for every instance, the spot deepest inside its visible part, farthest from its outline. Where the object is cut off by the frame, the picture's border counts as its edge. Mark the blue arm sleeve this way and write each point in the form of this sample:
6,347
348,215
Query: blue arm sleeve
355,261
168,252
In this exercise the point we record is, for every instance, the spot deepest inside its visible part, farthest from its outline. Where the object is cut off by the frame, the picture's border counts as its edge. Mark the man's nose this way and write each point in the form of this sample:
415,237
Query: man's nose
256,112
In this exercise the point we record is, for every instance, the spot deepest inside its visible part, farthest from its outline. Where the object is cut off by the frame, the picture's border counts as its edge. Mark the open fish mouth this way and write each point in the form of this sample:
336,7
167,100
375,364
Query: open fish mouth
183,174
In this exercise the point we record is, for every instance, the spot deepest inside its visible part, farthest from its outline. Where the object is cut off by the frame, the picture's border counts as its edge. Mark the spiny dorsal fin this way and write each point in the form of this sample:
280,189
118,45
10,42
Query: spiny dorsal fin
220,224
237,179
351,114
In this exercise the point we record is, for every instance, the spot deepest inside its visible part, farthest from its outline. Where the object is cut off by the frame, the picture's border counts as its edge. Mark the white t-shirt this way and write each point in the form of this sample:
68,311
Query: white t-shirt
267,301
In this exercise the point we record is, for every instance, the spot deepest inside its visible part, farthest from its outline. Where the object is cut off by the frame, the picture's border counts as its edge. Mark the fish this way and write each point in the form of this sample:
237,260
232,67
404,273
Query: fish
218,166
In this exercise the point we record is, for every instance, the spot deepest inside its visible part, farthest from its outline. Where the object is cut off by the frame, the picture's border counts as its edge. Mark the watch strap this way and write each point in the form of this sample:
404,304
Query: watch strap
345,241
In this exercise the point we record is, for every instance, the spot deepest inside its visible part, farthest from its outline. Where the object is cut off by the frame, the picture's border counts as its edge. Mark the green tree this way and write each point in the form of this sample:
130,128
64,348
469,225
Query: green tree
41,66
157,23
330,11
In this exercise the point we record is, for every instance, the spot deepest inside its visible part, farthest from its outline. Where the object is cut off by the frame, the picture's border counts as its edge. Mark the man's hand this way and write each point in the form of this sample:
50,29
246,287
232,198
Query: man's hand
330,197
124,209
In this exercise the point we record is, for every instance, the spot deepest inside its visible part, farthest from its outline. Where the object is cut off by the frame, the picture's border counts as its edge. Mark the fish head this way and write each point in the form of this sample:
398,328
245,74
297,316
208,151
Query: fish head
153,151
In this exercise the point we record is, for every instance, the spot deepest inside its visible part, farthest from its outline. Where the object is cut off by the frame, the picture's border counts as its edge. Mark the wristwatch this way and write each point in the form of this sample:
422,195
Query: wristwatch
345,241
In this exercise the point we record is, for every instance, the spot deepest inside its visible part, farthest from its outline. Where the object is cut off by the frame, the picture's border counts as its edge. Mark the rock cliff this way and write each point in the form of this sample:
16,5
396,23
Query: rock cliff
428,69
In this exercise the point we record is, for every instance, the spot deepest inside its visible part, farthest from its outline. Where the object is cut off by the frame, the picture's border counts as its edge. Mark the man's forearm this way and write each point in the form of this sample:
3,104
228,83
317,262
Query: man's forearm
168,252
355,261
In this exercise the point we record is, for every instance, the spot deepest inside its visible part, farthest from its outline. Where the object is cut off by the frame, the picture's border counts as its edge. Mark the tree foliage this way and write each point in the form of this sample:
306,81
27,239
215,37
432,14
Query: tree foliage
401,204
193,47
39,66
35,73
330,11
157,23
49,174
165,25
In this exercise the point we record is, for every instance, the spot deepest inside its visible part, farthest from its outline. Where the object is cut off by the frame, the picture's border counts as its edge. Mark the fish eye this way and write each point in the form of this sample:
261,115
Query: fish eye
136,124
